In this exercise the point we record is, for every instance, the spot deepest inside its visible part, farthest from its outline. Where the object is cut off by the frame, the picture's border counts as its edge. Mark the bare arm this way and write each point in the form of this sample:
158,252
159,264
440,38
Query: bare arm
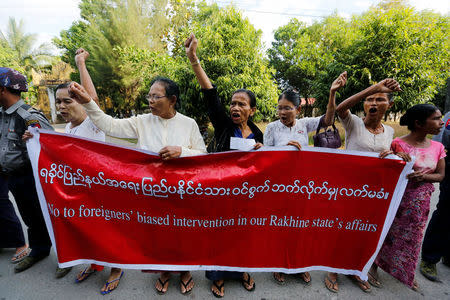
331,107
437,176
387,85
191,51
85,78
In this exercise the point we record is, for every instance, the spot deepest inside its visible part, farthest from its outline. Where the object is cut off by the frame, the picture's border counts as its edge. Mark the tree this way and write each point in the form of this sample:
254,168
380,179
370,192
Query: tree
300,52
389,40
107,26
22,45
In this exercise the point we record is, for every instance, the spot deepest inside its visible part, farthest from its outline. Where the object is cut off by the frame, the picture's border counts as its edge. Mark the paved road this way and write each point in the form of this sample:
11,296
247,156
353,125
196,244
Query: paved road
39,283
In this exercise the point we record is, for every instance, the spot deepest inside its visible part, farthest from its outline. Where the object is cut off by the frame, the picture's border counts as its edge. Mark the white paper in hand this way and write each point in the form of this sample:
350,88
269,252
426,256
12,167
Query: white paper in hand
242,144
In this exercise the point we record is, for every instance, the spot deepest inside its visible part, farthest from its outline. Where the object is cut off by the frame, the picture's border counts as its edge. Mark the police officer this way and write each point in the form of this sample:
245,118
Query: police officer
436,243
15,166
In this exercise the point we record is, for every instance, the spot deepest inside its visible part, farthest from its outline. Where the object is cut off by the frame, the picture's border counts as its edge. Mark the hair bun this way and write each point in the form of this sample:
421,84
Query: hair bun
404,120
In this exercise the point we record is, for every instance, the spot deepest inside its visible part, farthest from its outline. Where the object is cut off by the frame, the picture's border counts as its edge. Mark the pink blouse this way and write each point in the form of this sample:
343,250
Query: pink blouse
426,158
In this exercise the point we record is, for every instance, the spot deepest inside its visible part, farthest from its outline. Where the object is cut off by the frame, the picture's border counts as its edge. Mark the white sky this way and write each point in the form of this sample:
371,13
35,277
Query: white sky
48,17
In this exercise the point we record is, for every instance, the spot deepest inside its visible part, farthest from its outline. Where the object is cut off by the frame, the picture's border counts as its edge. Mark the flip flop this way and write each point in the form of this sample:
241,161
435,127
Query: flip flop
302,276
163,284
280,280
185,285
332,283
246,283
373,281
25,252
360,283
219,287
109,282
86,274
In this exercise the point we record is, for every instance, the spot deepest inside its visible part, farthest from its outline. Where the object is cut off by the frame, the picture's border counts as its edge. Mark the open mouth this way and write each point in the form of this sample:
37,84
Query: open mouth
235,116
372,110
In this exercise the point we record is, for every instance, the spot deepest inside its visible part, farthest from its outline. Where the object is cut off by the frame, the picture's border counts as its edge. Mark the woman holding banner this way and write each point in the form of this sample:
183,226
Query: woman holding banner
291,131
366,134
400,251
226,128
165,131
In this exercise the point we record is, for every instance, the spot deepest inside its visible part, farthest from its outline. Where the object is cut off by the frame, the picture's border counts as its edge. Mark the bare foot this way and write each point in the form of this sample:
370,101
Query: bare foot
279,278
85,274
186,282
331,282
21,253
306,277
248,282
162,284
218,289
113,281
363,285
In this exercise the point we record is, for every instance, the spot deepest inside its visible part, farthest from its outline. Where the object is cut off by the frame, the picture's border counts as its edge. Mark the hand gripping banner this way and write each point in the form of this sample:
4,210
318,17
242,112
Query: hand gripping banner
278,210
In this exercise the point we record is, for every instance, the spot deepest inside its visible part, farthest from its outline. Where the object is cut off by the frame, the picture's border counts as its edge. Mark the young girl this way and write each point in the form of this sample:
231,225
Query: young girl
400,251
291,131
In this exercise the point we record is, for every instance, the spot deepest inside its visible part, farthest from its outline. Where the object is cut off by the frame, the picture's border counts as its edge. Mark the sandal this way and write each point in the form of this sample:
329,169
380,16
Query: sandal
361,283
220,288
84,275
185,286
163,284
373,280
331,285
246,283
279,278
109,282
305,277
18,257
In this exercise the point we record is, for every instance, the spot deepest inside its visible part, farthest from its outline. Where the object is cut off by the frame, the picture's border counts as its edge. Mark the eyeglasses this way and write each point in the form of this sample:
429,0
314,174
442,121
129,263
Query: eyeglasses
286,108
154,97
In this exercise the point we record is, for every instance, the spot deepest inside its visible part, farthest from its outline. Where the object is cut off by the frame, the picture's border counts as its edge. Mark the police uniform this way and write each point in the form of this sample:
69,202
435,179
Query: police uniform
16,173
436,243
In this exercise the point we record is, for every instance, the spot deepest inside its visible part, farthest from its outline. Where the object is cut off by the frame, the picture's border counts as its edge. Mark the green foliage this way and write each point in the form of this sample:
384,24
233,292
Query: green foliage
389,40
123,62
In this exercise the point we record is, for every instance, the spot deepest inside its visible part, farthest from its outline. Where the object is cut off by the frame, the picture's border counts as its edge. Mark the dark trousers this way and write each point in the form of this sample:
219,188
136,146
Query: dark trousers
436,242
24,191
220,275
11,234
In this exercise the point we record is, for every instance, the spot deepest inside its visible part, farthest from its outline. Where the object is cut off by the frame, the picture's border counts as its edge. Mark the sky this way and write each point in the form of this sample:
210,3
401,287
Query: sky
48,17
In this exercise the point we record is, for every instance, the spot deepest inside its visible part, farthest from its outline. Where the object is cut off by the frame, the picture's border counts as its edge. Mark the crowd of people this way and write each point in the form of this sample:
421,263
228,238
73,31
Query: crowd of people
171,134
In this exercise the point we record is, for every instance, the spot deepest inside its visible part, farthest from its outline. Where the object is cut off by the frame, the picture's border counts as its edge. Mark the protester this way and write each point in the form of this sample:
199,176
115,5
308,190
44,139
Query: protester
165,131
367,134
436,243
15,167
237,125
291,131
400,251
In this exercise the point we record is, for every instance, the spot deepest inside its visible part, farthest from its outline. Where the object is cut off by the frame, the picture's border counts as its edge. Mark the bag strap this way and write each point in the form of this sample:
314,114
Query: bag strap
320,126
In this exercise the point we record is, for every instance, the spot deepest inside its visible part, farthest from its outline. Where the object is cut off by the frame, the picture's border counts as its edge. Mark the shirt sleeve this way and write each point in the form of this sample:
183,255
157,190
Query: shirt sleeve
197,144
122,128
396,147
43,122
312,123
216,111
269,139
442,153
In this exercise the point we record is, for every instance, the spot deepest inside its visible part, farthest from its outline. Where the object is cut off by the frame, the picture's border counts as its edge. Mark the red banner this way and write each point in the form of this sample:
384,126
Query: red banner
289,211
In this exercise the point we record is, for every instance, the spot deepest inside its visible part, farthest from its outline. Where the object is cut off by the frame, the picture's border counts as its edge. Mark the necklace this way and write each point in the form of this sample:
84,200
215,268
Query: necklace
377,130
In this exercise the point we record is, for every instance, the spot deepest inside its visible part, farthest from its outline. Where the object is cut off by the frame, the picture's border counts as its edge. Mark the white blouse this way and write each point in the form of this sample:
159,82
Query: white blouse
358,138
153,132
86,129
278,134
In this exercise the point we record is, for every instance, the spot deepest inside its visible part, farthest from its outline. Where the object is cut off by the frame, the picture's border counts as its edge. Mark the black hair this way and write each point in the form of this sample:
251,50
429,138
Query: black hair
291,96
249,94
13,91
419,113
62,86
170,86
